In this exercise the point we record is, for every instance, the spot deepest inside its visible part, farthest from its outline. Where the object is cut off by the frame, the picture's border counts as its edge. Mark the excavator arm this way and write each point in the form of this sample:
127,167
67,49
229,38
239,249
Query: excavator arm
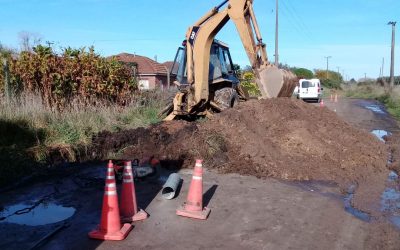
272,82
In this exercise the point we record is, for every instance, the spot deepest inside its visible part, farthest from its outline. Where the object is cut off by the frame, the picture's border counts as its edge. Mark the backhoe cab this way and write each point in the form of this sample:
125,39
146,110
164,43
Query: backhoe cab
205,77
222,79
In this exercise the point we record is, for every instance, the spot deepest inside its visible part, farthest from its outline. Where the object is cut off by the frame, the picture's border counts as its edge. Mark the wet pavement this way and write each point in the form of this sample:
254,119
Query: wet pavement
42,214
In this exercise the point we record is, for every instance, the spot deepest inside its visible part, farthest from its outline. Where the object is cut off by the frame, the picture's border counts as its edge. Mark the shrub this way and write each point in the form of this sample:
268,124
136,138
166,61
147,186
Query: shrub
74,74
248,82
303,73
332,84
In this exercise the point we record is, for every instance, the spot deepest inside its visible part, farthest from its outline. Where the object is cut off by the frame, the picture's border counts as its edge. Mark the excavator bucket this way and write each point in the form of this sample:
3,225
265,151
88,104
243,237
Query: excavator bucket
274,82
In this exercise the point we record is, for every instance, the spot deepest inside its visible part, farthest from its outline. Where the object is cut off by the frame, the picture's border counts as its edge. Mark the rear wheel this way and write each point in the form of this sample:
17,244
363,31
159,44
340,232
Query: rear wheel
226,98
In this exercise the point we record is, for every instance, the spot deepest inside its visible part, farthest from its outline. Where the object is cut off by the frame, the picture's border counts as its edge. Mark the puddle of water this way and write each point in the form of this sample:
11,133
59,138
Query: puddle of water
43,214
390,200
355,212
375,108
380,133
396,221
393,176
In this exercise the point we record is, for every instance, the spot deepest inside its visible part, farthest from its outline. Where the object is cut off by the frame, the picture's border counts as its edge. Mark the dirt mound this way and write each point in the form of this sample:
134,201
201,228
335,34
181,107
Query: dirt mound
282,138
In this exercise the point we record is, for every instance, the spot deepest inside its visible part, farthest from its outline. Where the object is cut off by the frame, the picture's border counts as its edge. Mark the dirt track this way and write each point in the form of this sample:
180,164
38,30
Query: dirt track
247,212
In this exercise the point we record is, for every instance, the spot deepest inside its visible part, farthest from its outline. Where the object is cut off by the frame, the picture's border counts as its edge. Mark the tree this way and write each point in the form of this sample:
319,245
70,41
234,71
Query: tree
333,81
332,75
28,40
238,70
303,73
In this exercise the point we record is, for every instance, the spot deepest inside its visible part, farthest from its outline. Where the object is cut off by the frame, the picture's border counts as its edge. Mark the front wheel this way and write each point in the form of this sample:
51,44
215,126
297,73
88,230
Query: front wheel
226,98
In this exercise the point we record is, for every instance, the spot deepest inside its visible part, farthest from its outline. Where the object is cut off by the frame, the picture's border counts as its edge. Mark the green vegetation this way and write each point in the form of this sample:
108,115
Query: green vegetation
248,82
332,80
303,73
56,102
73,74
391,99
31,133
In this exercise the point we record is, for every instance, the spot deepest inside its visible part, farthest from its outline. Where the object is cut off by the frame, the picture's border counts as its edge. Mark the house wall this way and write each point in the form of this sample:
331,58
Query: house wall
156,81
151,81
163,80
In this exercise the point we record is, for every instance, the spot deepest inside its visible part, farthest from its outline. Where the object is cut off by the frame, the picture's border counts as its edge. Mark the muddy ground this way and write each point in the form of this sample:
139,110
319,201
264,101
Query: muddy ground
247,212
282,138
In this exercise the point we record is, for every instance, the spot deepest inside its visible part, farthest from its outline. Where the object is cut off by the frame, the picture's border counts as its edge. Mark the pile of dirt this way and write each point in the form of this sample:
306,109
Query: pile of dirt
282,138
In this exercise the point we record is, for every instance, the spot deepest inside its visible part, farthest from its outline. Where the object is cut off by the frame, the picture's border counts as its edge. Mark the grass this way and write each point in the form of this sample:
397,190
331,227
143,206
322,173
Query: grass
391,99
29,131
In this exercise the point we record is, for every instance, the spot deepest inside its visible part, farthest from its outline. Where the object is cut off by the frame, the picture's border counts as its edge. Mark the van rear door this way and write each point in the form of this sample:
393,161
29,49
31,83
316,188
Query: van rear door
307,89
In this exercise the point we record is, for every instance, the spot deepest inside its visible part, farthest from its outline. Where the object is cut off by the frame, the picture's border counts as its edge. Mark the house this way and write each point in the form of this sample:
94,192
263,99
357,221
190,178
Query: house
151,74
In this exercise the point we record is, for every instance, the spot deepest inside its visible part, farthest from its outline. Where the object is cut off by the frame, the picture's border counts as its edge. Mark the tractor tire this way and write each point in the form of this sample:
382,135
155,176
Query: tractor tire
226,98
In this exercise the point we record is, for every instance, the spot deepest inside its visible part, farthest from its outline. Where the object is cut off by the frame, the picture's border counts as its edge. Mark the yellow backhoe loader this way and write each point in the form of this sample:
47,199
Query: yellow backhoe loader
205,76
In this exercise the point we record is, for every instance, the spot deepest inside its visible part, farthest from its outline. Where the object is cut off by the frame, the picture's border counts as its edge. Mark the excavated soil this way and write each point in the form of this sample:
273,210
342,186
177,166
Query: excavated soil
282,138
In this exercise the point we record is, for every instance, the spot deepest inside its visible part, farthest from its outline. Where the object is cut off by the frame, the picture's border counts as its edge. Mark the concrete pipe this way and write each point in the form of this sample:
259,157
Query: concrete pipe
170,186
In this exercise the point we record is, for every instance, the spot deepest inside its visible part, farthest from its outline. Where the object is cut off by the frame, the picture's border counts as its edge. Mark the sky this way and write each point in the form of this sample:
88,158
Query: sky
353,32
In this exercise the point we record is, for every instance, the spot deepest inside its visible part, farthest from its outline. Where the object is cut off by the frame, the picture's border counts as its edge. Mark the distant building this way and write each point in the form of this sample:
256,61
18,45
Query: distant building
150,73
169,65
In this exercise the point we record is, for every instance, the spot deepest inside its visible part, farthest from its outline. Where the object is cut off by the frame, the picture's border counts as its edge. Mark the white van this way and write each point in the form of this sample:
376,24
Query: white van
310,89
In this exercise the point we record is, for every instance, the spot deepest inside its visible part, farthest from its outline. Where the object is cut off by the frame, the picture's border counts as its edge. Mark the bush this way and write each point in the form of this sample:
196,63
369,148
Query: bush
248,82
75,74
303,73
332,84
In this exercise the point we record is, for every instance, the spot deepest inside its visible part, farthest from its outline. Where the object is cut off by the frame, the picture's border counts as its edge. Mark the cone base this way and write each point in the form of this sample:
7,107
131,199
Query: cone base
201,215
141,215
119,235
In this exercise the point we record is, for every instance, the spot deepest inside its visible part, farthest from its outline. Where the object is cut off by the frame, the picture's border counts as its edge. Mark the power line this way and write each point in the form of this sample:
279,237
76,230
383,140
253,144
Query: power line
296,21
302,23
293,22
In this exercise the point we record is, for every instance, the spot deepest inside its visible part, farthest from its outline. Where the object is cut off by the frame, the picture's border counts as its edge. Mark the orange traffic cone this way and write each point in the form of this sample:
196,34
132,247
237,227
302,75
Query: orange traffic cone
336,98
110,225
193,207
321,104
129,209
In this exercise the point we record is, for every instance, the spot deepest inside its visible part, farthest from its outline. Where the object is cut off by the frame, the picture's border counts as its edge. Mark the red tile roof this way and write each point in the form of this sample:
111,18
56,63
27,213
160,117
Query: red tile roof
145,64
169,64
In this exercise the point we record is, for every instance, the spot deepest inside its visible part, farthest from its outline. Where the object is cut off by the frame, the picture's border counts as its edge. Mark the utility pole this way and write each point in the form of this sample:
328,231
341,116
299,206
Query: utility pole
365,76
327,65
276,35
392,54
168,77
